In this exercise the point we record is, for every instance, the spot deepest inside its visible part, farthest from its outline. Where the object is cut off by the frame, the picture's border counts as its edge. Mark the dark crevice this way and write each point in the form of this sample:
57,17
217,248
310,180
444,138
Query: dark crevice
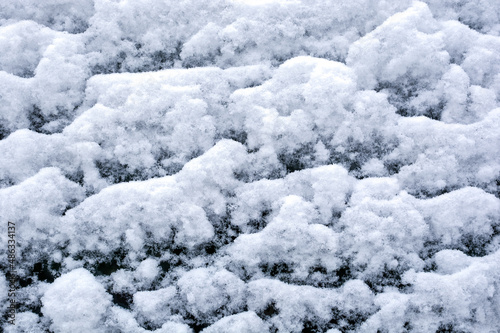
116,172
347,320
38,120
448,328
388,277
269,311
123,300
100,264
4,131
298,159
256,225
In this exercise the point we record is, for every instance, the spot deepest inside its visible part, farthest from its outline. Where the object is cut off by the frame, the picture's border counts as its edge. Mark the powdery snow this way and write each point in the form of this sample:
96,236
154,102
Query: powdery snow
251,166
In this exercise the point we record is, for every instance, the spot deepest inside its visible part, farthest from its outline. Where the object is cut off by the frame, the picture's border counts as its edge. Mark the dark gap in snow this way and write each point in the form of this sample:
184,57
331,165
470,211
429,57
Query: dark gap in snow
157,247
434,112
314,325
430,265
241,271
236,135
279,270
344,274
152,61
27,303
71,204
354,153
347,321
437,309
175,261
470,244
26,73
25,282
496,192
269,311
297,159
123,300
408,327
393,167
388,277
101,264
225,231
107,268
424,193
201,60
250,175
112,66
256,225
115,172
38,119
158,60
6,182
80,26
474,25
336,215
475,245
318,269
400,95
76,177
4,131
319,277
195,324
148,325
45,272
448,328
179,250
165,266
35,263
210,248
430,248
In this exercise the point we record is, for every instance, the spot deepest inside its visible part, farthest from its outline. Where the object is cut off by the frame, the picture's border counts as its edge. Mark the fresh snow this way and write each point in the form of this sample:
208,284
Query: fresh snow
251,166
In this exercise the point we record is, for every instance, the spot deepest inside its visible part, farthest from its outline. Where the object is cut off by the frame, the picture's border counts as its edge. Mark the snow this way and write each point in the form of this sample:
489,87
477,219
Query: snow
244,322
251,166
76,302
290,239
393,234
155,306
209,293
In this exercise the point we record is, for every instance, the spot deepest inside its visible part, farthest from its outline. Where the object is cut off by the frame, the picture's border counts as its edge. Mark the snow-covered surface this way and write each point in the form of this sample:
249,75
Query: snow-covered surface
251,166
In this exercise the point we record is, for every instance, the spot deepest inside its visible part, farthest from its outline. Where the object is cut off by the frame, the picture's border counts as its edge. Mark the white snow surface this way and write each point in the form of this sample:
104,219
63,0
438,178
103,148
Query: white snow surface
251,166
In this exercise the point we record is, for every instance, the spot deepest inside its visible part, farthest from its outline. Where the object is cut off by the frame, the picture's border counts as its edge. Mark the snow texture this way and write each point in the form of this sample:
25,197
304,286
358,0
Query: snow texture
251,166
